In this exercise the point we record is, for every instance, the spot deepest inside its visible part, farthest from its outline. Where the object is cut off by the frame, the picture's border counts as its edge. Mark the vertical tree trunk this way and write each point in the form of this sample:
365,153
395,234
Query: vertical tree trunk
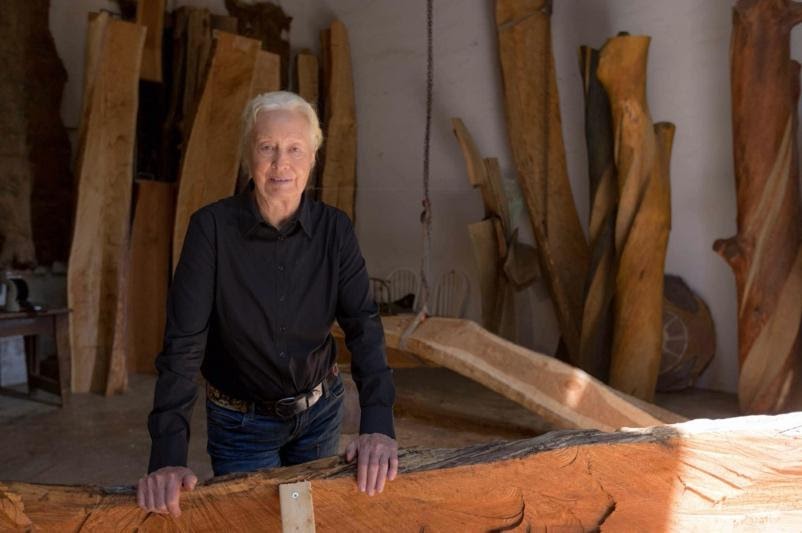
597,318
643,217
765,255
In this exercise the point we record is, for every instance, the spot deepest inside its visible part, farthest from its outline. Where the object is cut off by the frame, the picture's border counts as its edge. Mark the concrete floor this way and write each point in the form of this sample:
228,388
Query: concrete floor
104,441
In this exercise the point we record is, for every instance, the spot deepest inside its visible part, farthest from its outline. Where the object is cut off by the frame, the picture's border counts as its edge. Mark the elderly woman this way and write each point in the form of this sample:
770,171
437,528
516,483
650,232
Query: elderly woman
262,277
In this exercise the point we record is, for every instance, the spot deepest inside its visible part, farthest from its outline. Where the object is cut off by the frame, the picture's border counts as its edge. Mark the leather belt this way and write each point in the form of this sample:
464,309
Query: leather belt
285,408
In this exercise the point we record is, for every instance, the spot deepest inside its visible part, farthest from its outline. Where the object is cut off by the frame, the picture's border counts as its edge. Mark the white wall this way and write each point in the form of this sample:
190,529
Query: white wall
688,85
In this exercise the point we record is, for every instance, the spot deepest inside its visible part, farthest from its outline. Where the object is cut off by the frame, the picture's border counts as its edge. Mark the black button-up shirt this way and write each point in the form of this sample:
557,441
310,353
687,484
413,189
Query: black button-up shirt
252,306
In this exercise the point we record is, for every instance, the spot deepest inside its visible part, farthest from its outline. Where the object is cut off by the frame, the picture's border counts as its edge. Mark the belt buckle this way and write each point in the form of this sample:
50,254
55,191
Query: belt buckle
285,407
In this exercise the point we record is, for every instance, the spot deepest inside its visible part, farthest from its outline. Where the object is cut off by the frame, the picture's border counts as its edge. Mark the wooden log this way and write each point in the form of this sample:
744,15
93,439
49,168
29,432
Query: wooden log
563,395
150,272
338,179
102,216
211,161
642,220
668,478
597,317
533,122
766,253
150,13
306,74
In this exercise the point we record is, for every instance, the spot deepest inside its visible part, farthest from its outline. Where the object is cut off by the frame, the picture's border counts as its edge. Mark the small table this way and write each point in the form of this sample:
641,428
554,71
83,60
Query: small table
53,322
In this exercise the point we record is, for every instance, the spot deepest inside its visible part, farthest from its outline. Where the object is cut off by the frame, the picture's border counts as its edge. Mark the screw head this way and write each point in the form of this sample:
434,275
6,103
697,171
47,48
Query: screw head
295,495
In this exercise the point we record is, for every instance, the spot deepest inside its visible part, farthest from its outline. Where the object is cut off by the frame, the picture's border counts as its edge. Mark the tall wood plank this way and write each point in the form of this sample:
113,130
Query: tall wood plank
766,253
668,478
338,181
150,272
306,73
211,161
150,13
102,217
533,122
267,74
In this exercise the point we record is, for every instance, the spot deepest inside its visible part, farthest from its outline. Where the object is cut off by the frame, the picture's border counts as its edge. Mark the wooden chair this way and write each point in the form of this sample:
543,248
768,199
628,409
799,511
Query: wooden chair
452,294
380,291
403,281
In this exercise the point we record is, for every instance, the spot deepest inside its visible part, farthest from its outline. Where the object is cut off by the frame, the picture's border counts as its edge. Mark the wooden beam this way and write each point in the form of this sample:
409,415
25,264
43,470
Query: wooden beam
210,165
668,478
150,13
533,122
102,217
338,180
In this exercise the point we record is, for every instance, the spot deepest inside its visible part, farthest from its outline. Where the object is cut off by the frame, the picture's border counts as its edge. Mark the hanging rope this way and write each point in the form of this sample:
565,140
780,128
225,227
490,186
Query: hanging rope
426,214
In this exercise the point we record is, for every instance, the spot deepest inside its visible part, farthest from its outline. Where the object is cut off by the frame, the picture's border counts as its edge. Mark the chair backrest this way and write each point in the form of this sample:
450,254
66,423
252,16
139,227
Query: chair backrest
402,281
452,294
380,290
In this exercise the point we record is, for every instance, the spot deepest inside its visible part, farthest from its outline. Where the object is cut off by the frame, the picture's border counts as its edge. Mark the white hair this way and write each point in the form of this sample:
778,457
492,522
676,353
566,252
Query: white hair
272,101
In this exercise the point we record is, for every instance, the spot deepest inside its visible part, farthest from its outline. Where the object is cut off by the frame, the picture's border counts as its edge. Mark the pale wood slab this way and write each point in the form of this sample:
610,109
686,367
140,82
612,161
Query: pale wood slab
150,13
105,179
668,478
150,272
211,160
338,180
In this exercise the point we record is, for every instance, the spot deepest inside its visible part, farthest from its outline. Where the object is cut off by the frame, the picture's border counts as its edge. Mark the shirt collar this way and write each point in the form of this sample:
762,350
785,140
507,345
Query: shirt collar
251,217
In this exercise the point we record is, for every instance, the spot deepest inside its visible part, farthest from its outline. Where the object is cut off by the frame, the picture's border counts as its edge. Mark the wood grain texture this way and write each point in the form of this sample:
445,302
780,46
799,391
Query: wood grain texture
150,13
642,157
210,165
306,74
668,478
338,178
597,317
766,253
267,74
104,197
534,127
150,272
563,395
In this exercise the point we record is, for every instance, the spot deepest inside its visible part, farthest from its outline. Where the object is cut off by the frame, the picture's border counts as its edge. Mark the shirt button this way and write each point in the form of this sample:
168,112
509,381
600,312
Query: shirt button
283,329
282,354
281,268
282,298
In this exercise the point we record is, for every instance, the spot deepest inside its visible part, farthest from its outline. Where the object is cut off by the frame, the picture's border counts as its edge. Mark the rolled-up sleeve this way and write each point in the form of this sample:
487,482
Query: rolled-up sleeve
358,316
189,307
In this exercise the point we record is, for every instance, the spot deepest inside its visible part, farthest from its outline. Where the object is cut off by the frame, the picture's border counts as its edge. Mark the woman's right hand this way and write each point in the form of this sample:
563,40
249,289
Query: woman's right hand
159,491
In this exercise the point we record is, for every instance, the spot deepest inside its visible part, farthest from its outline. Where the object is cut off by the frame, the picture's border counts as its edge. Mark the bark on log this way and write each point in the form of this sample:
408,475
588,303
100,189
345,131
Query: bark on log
597,318
338,178
766,253
104,199
211,162
533,121
563,395
642,154
667,478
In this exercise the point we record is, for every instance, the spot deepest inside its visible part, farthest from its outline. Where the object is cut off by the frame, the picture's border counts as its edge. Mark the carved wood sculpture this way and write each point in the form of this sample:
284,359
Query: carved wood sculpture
211,161
338,178
642,155
533,122
150,13
668,478
597,318
105,177
267,23
150,272
766,254
563,395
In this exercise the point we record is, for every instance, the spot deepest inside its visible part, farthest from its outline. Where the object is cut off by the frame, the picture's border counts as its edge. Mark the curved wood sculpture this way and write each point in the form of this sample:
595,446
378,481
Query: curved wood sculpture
597,318
102,216
563,395
212,156
533,121
642,154
766,254
668,478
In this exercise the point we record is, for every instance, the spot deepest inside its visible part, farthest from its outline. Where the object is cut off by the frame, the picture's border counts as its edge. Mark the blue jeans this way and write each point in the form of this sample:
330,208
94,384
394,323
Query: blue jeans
245,442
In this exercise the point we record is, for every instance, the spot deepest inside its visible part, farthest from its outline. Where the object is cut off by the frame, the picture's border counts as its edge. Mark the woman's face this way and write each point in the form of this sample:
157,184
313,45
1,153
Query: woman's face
281,154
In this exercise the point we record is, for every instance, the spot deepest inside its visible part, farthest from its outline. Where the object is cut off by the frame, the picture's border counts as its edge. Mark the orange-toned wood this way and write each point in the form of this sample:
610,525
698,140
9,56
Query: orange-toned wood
533,122
267,75
102,218
766,253
306,73
150,13
669,478
211,160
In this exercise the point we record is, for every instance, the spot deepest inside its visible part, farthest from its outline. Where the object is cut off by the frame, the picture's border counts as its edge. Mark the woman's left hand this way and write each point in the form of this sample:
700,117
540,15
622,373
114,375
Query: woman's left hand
377,462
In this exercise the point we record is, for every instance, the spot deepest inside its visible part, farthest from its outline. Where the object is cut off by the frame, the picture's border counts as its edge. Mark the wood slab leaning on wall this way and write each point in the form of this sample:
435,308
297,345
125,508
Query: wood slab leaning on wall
667,478
105,178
